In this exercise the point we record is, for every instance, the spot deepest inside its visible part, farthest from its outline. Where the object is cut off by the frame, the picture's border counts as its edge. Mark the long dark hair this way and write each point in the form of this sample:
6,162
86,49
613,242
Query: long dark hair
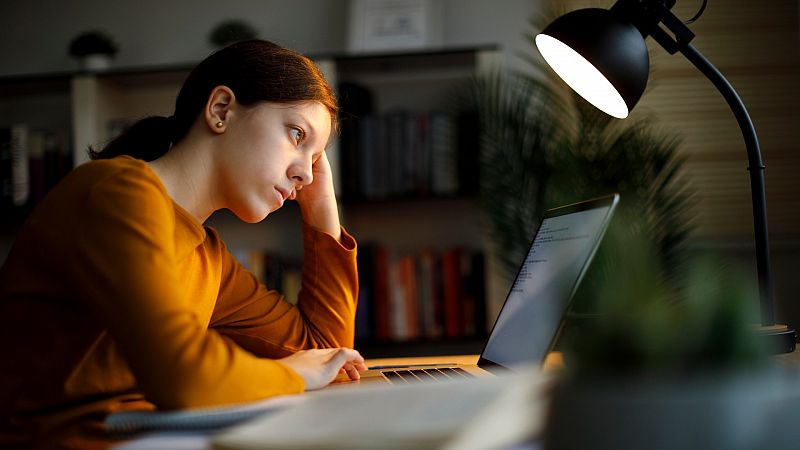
255,70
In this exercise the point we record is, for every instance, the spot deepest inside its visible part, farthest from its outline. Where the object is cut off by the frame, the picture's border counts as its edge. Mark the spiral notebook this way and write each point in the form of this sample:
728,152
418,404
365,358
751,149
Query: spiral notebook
196,419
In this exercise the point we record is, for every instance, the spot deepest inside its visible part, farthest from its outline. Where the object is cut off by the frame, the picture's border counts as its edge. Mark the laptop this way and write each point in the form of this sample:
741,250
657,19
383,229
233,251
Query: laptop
534,310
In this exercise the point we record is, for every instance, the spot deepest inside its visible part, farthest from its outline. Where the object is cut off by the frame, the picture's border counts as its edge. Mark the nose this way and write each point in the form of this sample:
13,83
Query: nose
301,173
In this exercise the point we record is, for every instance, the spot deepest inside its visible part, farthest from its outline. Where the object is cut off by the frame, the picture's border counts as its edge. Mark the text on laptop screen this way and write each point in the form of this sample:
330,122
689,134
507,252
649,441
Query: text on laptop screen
540,294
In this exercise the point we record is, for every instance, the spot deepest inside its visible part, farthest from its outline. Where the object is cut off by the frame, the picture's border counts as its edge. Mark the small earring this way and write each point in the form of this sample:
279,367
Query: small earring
220,124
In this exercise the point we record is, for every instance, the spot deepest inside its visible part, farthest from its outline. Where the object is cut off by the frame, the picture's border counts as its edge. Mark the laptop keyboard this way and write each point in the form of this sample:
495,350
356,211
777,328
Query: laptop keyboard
406,376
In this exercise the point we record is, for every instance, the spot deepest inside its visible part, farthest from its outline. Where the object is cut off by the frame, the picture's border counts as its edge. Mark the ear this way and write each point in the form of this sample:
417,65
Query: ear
217,112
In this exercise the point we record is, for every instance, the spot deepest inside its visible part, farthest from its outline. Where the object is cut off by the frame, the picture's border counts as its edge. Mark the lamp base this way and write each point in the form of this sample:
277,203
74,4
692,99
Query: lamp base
778,338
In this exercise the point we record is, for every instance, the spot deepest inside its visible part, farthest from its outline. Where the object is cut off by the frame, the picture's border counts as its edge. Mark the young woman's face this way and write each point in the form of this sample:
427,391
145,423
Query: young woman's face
269,152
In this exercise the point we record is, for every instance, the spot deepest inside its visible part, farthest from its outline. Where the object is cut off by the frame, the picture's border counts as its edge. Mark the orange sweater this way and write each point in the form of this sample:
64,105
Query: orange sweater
114,297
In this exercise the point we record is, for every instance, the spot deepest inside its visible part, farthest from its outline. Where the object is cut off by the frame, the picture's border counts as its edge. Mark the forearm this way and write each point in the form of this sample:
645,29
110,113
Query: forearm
328,296
262,322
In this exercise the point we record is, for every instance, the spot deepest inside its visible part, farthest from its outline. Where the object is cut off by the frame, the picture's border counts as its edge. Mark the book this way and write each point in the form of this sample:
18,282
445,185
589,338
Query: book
355,103
474,301
406,269
452,286
20,181
444,159
36,148
428,295
365,322
468,149
6,186
396,152
398,315
381,293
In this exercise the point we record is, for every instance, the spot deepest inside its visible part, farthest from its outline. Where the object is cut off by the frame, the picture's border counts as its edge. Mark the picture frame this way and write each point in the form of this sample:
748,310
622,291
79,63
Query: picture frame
376,25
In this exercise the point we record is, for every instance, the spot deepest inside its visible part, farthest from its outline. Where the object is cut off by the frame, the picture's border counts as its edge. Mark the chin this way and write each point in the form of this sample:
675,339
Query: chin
252,216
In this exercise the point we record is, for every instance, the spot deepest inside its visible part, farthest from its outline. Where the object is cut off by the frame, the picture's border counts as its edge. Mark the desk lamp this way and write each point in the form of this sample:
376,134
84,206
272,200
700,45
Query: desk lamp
601,54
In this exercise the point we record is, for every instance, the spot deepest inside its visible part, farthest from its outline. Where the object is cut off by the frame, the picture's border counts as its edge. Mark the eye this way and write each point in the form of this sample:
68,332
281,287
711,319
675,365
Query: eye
298,134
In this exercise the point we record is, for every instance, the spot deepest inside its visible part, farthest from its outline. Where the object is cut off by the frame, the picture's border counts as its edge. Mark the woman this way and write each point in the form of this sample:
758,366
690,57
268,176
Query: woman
115,297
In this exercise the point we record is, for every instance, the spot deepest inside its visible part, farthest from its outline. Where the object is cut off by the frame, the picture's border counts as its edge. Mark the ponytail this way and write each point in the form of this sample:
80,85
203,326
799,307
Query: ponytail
147,139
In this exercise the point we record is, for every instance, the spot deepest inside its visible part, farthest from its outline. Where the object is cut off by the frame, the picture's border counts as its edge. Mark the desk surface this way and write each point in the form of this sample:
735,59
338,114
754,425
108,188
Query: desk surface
200,441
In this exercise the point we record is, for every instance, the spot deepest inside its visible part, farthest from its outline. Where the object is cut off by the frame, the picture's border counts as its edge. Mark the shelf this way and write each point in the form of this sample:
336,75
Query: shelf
417,59
408,68
93,104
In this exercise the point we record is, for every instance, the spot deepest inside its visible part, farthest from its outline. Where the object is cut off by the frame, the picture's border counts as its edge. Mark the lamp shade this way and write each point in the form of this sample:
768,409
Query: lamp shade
601,57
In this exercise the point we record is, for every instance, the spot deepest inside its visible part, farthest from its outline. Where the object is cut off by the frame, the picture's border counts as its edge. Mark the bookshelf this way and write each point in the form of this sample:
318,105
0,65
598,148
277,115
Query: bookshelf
40,104
91,108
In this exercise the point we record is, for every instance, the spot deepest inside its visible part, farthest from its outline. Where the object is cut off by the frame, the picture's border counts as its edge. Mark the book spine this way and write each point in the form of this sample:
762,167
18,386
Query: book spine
365,323
468,153
396,149
428,295
409,280
36,165
452,293
382,312
397,299
6,183
444,174
19,165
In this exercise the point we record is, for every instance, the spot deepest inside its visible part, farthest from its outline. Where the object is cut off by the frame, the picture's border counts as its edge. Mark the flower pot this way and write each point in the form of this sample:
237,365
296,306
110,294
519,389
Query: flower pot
95,62
722,411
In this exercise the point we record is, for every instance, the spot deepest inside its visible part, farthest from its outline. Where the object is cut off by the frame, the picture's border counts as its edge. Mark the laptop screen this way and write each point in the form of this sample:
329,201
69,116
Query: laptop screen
539,297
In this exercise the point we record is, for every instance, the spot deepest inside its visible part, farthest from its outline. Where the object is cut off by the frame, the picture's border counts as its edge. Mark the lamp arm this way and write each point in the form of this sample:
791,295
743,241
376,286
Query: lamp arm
756,170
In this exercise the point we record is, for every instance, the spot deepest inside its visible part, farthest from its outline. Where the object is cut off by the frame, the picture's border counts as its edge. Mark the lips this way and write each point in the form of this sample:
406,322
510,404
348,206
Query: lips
285,194
281,195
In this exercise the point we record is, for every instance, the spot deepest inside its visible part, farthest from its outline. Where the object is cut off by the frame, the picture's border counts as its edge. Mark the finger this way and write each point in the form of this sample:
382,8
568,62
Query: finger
352,372
346,359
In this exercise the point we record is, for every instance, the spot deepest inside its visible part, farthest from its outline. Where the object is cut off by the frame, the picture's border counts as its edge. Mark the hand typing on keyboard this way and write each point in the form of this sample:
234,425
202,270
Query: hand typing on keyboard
319,367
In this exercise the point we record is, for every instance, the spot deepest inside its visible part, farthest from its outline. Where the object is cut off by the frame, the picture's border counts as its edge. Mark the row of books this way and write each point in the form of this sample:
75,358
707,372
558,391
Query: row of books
408,154
32,161
426,295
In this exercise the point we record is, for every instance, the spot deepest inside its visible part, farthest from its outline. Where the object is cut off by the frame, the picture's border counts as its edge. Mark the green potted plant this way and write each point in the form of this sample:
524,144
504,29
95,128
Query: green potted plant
667,364
94,49
230,31
658,348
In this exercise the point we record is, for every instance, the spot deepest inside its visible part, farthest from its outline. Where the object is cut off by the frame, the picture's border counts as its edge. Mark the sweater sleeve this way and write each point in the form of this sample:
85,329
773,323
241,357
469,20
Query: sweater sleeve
124,267
261,321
